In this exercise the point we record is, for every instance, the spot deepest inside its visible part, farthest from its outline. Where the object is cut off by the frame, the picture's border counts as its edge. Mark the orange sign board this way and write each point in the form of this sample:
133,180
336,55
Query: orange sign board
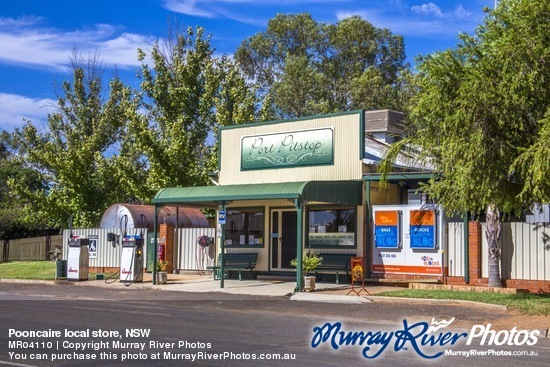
385,218
422,218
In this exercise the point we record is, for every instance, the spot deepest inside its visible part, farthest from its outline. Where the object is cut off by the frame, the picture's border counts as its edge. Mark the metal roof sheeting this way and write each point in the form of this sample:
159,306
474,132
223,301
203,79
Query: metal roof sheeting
334,192
187,217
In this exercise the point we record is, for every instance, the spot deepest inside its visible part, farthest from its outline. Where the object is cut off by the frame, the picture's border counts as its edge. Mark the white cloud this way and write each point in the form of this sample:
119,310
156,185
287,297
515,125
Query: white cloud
428,9
219,8
24,42
462,13
19,22
188,7
414,22
16,108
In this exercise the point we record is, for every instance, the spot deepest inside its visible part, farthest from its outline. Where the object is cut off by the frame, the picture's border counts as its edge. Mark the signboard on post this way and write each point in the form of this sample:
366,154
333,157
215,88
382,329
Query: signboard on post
92,246
357,271
221,217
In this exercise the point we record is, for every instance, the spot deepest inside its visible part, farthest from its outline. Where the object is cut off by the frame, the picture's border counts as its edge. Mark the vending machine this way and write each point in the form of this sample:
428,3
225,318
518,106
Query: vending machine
408,239
78,259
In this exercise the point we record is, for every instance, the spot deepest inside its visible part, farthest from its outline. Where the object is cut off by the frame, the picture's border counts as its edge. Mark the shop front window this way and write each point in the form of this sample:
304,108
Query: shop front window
332,228
244,227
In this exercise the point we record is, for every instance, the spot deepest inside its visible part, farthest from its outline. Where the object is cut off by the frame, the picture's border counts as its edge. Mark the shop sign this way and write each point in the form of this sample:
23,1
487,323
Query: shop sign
386,229
289,149
422,229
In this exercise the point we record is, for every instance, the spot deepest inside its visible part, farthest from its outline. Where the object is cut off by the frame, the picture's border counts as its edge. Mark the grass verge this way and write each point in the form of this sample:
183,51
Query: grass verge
530,304
40,270
32,270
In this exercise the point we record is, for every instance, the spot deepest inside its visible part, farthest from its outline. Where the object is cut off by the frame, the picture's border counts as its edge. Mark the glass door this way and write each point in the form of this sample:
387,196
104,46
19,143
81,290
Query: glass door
283,238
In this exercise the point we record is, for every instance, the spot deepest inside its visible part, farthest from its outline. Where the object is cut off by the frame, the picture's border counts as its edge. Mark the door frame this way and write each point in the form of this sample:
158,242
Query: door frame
280,233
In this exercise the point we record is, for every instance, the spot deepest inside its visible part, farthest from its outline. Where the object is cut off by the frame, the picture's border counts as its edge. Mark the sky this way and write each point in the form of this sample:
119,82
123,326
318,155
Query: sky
37,37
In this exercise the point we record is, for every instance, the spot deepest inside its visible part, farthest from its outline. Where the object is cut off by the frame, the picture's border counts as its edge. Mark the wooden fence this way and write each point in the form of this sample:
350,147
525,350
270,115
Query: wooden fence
30,249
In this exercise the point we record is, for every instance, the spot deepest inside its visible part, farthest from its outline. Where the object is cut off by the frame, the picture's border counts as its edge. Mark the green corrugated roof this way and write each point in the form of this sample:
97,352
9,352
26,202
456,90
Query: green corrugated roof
334,192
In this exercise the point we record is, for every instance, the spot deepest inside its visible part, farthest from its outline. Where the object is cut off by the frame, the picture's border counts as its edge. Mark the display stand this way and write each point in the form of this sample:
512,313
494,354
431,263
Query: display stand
357,275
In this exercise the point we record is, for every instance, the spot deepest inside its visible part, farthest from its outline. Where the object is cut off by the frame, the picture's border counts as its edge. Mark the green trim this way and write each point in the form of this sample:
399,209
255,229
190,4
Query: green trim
299,244
219,151
305,118
368,238
362,128
331,192
222,206
155,244
244,246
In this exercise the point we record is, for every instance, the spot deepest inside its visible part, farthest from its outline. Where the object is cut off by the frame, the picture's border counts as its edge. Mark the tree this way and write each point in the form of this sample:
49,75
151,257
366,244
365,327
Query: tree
481,118
185,95
77,154
303,67
13,222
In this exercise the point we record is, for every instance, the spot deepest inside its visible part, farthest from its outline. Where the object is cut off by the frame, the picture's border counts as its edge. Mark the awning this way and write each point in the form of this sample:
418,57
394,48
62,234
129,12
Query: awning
330,192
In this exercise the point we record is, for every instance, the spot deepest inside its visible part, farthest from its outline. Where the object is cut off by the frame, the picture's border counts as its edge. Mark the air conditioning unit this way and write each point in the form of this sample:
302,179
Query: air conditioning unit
416,197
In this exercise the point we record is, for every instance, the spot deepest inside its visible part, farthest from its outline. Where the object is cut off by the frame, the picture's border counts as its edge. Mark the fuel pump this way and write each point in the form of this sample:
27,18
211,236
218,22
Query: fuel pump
78,258
131,259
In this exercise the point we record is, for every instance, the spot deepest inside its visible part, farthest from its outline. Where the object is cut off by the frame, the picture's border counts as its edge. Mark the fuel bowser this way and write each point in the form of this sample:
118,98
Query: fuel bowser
78,259
131,260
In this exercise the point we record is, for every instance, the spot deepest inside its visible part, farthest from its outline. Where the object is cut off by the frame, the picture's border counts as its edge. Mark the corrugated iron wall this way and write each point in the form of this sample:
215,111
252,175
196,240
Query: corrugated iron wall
525,251
346,148
108,253
190,255
455,250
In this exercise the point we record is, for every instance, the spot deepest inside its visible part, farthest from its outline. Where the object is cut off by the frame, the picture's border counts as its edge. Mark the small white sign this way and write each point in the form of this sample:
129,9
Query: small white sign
92,246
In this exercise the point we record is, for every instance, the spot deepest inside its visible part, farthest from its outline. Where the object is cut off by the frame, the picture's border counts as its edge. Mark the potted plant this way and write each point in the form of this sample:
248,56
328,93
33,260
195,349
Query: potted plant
310,262
162,275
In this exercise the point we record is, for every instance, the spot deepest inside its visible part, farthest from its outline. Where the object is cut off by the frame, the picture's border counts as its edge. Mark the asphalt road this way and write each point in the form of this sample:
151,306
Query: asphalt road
232,330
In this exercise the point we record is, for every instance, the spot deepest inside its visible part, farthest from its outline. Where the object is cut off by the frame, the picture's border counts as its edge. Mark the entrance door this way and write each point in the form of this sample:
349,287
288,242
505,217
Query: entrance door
283,238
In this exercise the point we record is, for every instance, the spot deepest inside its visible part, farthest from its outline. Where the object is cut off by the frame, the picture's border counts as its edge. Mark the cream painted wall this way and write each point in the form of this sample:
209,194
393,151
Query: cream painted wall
347,156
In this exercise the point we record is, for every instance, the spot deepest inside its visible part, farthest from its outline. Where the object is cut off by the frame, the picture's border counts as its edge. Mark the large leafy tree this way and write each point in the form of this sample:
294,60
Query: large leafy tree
13,221
482,118
304,67
77,155
186,94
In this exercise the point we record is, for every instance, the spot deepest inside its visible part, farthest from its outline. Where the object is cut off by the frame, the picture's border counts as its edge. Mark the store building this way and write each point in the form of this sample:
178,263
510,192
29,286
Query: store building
298,185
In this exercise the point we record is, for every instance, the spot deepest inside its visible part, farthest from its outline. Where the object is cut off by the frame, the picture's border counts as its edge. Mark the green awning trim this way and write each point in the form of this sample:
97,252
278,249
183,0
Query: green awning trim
330,192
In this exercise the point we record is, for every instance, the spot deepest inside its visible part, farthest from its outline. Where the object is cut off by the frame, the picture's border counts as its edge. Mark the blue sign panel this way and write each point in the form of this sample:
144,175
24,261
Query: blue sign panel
422,237
221,217
386,236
